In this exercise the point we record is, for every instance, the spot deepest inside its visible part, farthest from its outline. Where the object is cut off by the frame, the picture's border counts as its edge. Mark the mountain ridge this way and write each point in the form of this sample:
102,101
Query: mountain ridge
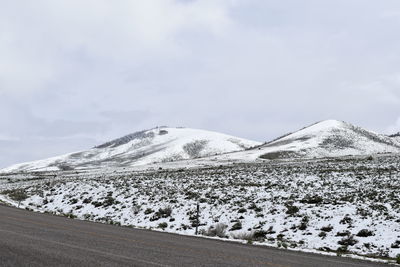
161,145
329,138
334,138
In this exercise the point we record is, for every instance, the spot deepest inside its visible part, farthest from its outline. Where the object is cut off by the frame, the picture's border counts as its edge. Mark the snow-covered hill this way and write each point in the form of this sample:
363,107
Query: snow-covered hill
183,147
150,146
330,138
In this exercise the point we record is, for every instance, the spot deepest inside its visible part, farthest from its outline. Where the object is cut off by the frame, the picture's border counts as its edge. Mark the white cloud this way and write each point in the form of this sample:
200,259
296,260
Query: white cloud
41,40
102,68
8,138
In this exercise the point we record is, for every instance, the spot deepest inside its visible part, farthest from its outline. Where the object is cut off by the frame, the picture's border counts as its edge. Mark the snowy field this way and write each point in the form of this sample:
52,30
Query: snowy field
341,205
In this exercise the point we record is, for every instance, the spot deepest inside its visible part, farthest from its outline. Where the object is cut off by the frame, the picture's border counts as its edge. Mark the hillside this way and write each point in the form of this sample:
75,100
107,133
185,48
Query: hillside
183,147
396,138
330,138
158,145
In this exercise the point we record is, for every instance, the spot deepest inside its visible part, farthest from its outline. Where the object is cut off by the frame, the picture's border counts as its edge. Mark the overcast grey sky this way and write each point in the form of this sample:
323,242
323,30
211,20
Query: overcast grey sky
75,73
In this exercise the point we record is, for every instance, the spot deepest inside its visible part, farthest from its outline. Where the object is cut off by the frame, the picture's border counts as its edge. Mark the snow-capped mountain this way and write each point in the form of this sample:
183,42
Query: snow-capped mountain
330,138
161,144
167,147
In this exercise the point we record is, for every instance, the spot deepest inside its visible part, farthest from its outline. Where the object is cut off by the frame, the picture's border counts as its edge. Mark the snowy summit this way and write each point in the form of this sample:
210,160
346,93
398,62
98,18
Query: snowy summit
157,145
330,138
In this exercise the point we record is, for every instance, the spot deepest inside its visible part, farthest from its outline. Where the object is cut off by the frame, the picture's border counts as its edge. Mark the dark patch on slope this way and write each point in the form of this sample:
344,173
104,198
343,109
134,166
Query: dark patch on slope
373,137
267,144
286,142
126,139
337,141
124,160
194,148
395,135
280,155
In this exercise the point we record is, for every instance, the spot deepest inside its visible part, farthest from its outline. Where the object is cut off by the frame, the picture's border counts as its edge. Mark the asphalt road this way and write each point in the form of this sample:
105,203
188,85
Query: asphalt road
33,239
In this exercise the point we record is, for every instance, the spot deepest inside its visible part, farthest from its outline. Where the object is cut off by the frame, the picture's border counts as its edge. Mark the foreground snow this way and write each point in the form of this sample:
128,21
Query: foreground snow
343,204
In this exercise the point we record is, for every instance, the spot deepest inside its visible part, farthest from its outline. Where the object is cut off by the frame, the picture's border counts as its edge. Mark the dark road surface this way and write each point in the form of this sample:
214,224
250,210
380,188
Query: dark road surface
33,239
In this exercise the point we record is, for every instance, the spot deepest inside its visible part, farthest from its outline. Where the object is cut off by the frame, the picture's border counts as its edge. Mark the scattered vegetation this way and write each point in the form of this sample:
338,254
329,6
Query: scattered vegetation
319,203
365,233
16,195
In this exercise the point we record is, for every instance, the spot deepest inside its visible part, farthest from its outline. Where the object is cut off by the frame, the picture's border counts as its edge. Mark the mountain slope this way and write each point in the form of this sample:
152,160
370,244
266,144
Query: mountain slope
145,147
330,138
396,138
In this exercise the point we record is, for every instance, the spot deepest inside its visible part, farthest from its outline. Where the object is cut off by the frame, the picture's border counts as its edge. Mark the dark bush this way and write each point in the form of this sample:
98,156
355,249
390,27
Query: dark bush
16,194
344,233
87,200
322,235
191,195
254,207
312,199
236,226
348,241
304,223
242,210
396,244
365,233
164,212
148,211
97,204
163,225
108,201
260,235
270,230
303,226
328,228
291,209
346,220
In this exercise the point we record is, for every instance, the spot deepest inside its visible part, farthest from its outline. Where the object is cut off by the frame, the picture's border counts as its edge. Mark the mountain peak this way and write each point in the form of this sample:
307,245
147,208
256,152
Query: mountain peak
329,138
156,145
318,129
326,124
158,130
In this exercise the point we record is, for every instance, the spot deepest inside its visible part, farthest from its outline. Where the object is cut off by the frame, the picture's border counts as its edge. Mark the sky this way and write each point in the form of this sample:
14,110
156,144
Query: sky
75,73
